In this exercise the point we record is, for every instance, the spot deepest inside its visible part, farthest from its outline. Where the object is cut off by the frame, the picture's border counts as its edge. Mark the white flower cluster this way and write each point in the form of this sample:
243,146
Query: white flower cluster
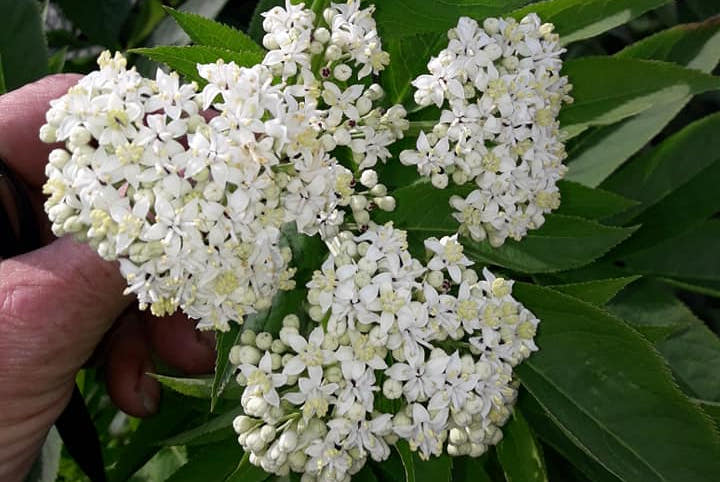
400,351
500,91
194,208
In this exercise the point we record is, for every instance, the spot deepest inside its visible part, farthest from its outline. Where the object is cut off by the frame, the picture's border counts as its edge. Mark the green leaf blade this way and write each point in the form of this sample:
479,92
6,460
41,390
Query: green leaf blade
519,453
607,387
204,31
600,153
629,87
184,60
22,43
597,292
581,19
562,243
400,18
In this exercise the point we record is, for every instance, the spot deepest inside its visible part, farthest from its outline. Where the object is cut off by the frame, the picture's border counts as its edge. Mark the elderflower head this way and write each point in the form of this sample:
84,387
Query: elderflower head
193,209
500,91
443,355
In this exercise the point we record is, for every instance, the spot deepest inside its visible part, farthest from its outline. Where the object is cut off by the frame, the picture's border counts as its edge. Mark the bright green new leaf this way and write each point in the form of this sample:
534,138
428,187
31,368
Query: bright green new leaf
519,453
184,60
599,153
213,463
563,242
408,460
597,292
589,203
22,43
168,32
580,19
216,429
399,18
200,387
607,388
205,31
628,87
100,20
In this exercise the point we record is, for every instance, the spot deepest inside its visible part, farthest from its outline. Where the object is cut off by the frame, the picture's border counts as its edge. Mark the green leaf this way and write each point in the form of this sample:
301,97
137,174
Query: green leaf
553,435
212,463
519,453
598,154
408,461
628,87
204,31
672,200
589,203
435,469
22,43
172,415
652,309
469,469
100,20
168,32
399,18
255,30
693,254
690,348
200,387
562,243
711,408
609,390
224,341
694,356
184,60
580,19
597,292
247,472
218,428
409,57
56,62
161,466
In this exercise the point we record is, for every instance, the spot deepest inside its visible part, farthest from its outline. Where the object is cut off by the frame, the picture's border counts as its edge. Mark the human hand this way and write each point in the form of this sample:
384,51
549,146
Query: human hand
59,302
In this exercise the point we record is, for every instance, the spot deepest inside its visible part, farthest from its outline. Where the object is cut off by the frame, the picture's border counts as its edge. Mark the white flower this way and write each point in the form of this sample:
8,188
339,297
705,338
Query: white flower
315,395
261,381
448,254
310,354
424,432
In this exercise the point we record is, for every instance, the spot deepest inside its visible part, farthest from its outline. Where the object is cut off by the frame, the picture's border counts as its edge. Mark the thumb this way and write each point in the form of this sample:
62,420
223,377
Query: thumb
55,305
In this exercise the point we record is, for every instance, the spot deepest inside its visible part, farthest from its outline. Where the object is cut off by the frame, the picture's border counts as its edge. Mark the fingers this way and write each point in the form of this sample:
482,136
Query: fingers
55,305
175,339
23,112
129,361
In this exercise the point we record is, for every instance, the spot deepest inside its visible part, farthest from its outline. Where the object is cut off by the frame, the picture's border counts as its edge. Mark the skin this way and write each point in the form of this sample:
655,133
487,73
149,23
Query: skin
62,304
